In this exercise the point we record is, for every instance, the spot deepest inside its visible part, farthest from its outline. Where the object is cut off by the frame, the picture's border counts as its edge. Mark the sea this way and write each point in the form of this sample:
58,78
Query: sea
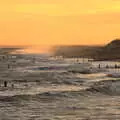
43,87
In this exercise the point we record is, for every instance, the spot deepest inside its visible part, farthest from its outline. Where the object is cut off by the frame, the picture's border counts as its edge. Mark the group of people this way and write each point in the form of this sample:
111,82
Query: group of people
107,66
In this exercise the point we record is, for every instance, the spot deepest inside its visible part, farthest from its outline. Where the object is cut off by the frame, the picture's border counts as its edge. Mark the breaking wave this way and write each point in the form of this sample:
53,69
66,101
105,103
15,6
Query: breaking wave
108,87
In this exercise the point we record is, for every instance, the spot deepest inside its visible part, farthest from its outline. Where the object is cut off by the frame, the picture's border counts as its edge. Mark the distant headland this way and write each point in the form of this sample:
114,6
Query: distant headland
111,51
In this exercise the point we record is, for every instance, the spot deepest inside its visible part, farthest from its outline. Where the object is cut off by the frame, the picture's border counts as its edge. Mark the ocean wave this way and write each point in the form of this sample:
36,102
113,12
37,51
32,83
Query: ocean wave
34,97
108,87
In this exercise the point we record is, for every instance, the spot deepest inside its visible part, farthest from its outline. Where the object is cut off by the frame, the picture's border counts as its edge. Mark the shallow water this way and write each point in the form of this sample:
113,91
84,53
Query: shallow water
57,94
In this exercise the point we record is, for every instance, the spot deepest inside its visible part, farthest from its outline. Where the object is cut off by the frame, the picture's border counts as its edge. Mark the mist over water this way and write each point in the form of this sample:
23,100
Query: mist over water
33,49
41,49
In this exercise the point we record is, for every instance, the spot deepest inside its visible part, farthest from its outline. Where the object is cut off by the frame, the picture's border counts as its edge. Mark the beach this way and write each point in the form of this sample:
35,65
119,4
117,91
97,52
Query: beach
43,88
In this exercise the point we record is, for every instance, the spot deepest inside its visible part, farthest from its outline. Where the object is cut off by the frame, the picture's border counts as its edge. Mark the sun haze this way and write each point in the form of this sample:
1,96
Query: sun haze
59,22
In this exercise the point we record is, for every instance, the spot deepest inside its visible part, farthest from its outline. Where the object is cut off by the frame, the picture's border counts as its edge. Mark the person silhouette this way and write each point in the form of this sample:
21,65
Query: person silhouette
5,83
99,66
116,66
8,66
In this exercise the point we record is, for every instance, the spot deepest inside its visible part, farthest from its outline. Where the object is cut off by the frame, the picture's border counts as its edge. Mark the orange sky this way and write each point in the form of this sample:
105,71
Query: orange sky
51,22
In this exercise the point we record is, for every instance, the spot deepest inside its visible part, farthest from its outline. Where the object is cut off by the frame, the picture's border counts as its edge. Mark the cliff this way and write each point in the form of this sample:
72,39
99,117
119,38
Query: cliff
111,51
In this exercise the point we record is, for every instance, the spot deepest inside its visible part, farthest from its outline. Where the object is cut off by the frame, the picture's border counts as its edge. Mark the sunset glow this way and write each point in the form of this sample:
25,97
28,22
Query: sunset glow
59,22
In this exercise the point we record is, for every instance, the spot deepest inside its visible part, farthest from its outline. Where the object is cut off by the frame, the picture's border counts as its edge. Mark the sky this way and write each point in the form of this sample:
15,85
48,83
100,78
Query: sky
59,22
